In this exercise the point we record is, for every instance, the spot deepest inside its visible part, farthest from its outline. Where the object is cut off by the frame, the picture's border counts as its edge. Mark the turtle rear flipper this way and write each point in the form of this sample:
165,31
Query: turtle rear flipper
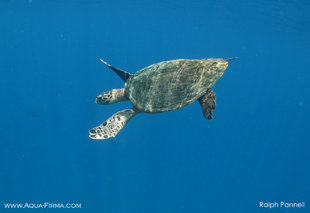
113,125
208,103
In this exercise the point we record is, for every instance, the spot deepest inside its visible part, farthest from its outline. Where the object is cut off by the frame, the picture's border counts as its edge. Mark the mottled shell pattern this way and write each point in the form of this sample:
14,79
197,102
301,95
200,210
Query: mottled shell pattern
171,85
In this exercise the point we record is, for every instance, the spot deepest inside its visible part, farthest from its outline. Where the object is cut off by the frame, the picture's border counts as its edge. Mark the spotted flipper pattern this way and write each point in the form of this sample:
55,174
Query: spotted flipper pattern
112,126
208,103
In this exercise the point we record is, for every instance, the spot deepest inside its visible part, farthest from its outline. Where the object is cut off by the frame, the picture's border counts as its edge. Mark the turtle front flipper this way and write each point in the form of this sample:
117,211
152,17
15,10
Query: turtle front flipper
121,73
112,96
208,103
113,125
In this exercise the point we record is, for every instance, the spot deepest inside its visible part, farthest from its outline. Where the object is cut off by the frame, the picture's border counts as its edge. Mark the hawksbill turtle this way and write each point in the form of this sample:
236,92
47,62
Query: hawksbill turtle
162,87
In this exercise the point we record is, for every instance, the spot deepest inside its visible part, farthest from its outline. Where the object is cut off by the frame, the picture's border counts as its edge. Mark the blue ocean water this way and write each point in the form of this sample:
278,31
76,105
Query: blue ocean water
256,148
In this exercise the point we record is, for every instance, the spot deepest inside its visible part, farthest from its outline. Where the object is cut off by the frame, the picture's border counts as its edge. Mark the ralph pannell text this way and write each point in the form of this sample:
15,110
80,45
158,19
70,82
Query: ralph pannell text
282,204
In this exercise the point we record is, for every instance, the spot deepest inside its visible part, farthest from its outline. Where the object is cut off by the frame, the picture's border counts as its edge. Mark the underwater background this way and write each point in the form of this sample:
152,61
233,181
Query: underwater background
256,148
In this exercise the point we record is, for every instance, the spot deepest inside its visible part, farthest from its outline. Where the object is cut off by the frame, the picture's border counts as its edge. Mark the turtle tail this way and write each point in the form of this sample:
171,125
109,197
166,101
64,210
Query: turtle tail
230,59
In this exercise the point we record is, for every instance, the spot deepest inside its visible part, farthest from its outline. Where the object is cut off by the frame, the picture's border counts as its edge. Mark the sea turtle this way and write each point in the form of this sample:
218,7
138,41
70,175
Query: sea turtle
162,87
